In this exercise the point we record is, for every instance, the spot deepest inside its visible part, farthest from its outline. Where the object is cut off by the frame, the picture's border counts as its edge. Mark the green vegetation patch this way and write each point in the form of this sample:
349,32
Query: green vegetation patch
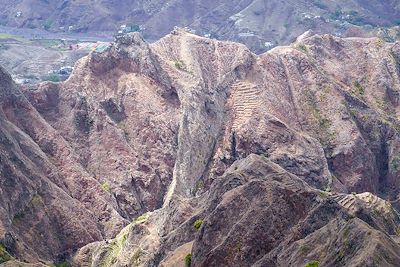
358,88
4,255
323,194
197,224
106,187
115,248
312,264
180,65
188,260
141,219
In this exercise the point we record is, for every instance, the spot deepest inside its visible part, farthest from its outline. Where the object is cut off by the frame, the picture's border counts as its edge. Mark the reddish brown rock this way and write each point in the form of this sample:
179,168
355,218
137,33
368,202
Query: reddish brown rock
264,149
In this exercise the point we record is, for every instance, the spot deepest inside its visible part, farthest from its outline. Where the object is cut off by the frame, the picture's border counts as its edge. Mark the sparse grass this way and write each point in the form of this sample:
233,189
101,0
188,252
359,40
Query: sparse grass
197,224
83,122
356,19
375,212
6,36
51,78
188,260
180,65
377,259
36,201
324,93
48,43
18,217
60,264
304,250
328,190
322,123
238,247
323,194
122,126
320,4
302,47
337,14
358,88
47,25
312,264
199,186
29,76
380,42
395,163
135,258
343,249
346,232
141,219
365,117
115,248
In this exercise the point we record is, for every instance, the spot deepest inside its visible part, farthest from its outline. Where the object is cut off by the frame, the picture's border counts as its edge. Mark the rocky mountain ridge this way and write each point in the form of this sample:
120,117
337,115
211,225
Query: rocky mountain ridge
148,153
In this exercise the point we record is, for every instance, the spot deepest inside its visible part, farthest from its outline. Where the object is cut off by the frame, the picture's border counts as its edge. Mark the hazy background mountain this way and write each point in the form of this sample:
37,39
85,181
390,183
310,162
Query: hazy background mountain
257,23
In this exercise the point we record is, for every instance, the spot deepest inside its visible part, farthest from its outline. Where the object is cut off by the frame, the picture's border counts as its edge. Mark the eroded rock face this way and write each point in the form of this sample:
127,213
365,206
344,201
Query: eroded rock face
258,214
50,205
264,150
288,222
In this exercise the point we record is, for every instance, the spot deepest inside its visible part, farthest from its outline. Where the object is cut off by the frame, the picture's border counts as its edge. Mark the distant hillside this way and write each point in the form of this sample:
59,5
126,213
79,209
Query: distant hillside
257,23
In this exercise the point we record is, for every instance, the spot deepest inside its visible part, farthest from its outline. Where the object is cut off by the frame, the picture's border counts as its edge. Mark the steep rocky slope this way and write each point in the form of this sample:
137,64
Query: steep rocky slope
253,22
278,159
50,205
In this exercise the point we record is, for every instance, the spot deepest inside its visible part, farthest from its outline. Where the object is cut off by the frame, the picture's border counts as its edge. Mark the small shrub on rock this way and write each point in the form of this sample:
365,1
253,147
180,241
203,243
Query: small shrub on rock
312,264
197,224
188,260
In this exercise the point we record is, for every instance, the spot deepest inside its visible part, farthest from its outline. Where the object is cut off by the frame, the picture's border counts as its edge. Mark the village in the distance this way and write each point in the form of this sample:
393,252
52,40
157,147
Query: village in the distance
36,55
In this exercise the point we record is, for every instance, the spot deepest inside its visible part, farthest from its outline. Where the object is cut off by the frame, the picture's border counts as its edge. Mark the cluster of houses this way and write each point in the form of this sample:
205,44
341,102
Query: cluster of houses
123,29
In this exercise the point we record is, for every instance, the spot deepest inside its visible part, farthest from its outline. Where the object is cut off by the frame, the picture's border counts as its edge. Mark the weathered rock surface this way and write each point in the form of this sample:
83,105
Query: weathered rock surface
275,154
258,214
50,204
